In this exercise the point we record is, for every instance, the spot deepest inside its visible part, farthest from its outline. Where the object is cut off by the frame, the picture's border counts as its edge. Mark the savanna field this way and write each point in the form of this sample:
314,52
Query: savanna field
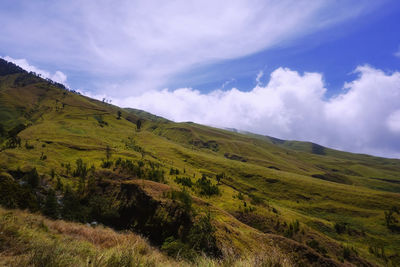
86,183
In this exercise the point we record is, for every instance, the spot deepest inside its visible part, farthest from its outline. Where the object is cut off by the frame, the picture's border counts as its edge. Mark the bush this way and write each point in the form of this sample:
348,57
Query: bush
340,227
346,252
106,164
129,167
28,146
81,169
315,245
183,196
185,181
177,249
201,237
156,175
72,209
255,200
51,207
206,187
32,178
13,195
173,171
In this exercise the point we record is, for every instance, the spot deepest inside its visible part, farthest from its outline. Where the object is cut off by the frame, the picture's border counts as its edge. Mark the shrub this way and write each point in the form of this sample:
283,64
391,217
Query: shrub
32,178
108,152
106,164
340,227
13,142
173,171
201,237
177,249
129,167
59,185
72,209
390,219
14,195
293,228
184,197
185,181
52,174
255,200
43,156
315,245
206,187
346,252
51,207
219,177
81,169
156,175
28,146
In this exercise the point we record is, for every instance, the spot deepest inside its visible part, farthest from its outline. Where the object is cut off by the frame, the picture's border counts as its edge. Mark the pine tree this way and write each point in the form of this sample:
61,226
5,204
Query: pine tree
51,207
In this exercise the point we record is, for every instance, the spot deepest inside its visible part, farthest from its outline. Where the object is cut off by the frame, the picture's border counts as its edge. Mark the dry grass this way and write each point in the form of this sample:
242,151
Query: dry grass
31,240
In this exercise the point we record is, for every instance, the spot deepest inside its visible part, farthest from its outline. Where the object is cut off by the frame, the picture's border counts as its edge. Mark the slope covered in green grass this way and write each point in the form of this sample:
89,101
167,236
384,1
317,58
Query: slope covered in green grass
249,193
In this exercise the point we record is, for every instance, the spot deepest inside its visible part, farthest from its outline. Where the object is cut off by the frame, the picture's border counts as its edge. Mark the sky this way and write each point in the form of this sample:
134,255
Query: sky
325,71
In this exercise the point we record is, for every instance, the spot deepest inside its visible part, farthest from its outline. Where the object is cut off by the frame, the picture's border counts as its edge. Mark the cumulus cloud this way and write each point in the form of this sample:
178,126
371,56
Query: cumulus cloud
393,121
140,45
397,53
260,74
364,117
58,76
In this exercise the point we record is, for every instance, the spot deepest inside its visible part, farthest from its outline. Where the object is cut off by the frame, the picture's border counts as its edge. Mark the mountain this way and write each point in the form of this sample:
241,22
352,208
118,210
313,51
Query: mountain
198,194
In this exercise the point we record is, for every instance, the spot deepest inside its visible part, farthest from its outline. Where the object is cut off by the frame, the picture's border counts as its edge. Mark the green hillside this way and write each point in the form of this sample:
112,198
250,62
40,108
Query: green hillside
198,194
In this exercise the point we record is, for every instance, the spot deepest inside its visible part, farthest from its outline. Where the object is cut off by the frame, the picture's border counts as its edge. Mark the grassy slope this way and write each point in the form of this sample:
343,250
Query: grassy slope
66,127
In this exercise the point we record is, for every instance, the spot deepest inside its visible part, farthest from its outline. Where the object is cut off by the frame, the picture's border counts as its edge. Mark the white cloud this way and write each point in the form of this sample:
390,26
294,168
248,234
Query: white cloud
393,121
142,44
260,74
363,118
397,54
225,84
58,76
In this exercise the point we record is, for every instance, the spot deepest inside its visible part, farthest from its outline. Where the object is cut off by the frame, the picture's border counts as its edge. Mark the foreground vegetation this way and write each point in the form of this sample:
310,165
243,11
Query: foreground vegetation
199,195
33,240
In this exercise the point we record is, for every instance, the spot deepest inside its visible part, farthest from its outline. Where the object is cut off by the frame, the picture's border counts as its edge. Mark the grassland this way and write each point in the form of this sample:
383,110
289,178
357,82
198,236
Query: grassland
308,204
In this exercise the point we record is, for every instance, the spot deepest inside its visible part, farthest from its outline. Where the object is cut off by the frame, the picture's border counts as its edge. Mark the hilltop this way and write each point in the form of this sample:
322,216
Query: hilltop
198,194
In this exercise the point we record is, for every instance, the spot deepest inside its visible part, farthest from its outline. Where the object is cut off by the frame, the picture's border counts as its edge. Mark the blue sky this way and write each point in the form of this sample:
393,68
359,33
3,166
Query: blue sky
370,39
323,71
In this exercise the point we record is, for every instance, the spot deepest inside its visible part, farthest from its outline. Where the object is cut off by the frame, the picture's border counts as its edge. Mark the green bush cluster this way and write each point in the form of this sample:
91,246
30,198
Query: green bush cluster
14,194
182,196
173,171
392,220
185,181
206,188
201,239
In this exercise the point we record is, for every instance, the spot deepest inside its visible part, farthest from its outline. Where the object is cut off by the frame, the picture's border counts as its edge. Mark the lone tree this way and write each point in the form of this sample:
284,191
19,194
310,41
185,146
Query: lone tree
33,178
108,152
119,115
51,207
220,177
138,124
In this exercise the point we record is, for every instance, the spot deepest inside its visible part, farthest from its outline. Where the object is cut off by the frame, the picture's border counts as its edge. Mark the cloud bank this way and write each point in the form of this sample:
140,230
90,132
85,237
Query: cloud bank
364,117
